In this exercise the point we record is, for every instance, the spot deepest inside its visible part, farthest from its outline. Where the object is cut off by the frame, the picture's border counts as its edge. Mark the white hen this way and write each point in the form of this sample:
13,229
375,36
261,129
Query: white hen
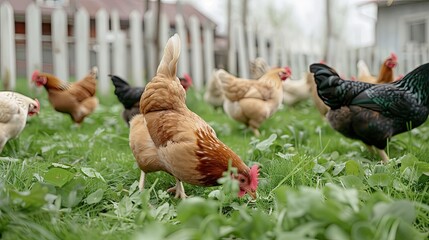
14,109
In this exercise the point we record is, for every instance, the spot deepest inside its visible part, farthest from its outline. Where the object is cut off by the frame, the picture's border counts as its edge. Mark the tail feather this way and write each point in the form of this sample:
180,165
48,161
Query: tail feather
334,91
168,64
126,94
164,91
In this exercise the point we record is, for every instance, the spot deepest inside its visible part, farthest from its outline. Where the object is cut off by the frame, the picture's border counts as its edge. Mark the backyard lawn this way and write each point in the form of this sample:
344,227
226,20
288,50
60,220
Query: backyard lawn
62,181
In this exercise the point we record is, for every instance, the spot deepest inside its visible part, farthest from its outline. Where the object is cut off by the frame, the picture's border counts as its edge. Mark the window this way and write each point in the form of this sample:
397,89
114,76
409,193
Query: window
417,31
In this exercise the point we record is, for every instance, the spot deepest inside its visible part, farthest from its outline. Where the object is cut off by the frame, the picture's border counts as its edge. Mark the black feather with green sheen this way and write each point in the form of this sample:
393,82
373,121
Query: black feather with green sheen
374,112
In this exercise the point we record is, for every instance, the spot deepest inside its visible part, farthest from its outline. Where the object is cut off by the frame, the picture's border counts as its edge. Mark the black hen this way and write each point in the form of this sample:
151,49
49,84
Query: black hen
373,113
130,96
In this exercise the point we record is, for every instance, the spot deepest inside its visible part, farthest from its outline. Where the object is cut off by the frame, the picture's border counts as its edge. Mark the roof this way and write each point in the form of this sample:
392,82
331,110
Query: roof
124,8
388,3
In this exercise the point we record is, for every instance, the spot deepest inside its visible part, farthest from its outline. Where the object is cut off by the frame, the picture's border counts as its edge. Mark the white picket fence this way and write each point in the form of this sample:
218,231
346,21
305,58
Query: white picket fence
131,53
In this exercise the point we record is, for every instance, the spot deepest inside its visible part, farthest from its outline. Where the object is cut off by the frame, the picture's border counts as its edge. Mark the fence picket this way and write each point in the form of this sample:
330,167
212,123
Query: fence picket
8,57
183,64
60,44
81,34
33,41
136,37
103,50
196,59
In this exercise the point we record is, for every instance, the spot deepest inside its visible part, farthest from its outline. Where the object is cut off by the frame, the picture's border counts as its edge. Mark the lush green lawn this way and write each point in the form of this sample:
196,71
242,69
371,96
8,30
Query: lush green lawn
61,181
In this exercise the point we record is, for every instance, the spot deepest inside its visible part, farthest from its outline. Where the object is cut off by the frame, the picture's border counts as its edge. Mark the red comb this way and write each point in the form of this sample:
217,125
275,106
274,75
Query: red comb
188,78
35,75
394,57
254,173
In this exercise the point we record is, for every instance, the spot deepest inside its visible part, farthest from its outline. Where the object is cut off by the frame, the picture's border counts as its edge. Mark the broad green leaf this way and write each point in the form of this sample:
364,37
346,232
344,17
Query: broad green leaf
95,197
125,207
92,173
408,160
58,176
400,209
338,168
72,193
319,168
346,196
334,232
380,180
353,168
351,181
34,198
265,144
363,231
196,208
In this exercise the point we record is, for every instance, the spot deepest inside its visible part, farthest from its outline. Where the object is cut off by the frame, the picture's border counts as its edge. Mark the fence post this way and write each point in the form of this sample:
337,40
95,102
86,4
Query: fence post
149,36
262,47
59,44
137,48
7,36
119,47
164,27
208,51
251,43
196,58
243,60
103,55
81,39
33,36
183,63
232,51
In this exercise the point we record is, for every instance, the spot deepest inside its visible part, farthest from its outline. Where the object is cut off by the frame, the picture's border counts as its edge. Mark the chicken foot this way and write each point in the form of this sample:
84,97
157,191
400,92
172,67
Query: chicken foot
178,189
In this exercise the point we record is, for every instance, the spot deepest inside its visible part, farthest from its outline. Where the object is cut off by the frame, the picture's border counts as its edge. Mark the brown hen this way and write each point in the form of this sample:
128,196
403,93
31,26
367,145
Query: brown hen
252,102
76,99
168,137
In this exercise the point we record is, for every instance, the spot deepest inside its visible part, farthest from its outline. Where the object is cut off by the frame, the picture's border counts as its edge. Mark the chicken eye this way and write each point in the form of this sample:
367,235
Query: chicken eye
242,180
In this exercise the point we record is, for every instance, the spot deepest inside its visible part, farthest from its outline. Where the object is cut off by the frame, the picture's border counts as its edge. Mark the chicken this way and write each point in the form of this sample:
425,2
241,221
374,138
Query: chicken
130,96
213,94
14,109
252,102
258,67
386,74
168,137
318,103
295,91
373,113
76,99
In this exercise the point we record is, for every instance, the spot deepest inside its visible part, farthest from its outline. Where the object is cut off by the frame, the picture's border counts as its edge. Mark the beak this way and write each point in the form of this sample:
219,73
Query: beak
252,194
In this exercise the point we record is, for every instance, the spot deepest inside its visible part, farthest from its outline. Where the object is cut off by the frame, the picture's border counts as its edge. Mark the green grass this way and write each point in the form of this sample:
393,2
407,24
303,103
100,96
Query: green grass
60,181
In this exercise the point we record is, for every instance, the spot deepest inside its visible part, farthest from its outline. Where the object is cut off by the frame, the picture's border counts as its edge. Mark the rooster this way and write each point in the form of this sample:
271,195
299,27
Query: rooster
386,74
252,102
373,113
130,96
168,137
14,109
76,99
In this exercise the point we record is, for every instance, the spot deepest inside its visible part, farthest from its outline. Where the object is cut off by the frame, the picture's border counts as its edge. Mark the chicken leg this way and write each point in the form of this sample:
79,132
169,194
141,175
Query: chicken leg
383,155
141,181
178,189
